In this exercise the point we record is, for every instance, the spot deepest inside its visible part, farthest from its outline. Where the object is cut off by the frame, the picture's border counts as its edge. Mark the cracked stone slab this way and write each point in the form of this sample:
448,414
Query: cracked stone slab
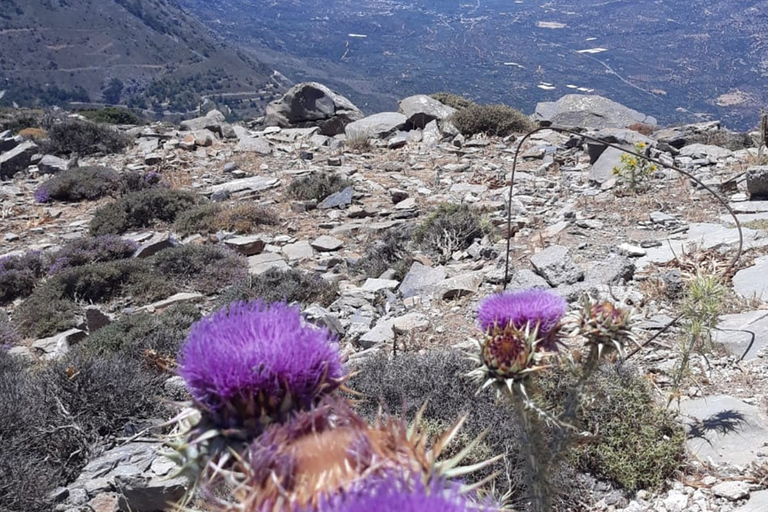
752,282
254,184
735,332
724,430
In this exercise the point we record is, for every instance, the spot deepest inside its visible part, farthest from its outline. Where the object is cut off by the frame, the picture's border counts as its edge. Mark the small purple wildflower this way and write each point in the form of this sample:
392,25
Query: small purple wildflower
253,361
403,494
520,308
42,194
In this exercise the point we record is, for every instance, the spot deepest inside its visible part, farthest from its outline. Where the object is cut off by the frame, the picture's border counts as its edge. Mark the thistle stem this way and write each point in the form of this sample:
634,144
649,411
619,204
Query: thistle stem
534,444
572,401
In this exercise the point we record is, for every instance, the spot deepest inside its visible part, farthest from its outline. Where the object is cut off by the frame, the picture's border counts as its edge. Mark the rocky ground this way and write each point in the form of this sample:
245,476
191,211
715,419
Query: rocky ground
575,228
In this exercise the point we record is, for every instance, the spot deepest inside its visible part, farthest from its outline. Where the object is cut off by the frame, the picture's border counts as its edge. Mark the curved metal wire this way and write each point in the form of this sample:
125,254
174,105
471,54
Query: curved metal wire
731,265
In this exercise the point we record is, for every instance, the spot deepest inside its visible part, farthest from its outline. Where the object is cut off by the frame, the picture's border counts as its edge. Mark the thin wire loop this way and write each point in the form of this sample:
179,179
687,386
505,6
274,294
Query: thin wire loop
731,265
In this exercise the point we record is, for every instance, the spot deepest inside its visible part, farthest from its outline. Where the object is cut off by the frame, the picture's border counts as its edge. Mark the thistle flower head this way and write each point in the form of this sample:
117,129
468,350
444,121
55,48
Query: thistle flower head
322,455
540,309
403,494
604,326
252,364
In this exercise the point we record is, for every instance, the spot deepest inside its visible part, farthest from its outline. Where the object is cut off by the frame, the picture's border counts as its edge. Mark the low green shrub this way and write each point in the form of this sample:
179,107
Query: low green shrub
401,385
112,115
89,250
203,268
9,333
213,217
499,120
54,417
79,183
75,137
141,209
452,100
19,274
317,186
389,251
133,335
276,285
46,312
640,444
450,228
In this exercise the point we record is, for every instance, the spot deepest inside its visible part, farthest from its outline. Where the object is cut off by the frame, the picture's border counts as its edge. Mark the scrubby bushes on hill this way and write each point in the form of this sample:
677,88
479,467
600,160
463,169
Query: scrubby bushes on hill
499,120
54,417
53,308
88,250
84,138
452,100
276,285
112,115
317,186
79,183
18,274
451,227
214,217
141,209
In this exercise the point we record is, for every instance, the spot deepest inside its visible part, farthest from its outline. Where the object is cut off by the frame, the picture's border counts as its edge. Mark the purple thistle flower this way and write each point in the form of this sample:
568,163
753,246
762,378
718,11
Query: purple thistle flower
251,363
520,308
403,493
42,194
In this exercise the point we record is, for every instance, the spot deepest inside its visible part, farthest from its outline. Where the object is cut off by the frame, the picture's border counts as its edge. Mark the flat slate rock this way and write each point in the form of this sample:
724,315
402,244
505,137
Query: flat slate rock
725,430
301,250
384,330
327,243
736,332
262,262
602,170
374,285
254,184
248,245
340,199
460,285
752,282
421,280
758,502
589,111
556,266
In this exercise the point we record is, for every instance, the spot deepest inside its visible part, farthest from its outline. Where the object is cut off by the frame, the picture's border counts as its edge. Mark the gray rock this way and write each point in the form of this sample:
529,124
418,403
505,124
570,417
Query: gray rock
602,170
254,184
176,388
52,164
385,330
323,318
576,110
616,270
17,159
705,151
374,285
7,142
338,200
96,320
158,242
380,125
58,345
212,121
733,490
154,159
261,263
422,109
144,494
249,144
421,280
758,502
525,279
757,182
431,135
248,245
459,286
312,104
299,251
556,266
738,331
724,430
396,142
178,298
752,282
327,243
22,352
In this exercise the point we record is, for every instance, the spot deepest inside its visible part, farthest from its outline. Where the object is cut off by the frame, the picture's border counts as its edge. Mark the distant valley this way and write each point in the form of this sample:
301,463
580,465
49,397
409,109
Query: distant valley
676,60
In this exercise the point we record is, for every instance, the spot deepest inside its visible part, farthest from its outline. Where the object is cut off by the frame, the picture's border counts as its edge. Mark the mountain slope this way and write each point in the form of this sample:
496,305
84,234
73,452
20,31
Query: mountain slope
148,51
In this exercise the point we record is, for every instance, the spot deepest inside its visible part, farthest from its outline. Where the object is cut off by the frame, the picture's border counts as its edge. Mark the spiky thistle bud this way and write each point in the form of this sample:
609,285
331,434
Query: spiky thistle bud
604,326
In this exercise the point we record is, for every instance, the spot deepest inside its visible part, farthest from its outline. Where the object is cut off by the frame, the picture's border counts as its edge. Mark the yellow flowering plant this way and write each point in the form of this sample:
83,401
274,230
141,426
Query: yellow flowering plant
633,170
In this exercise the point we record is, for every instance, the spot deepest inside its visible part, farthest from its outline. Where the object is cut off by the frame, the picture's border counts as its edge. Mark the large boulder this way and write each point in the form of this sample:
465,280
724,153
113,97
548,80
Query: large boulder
379,125
421,110
589,111
213,121
16,159
312,104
